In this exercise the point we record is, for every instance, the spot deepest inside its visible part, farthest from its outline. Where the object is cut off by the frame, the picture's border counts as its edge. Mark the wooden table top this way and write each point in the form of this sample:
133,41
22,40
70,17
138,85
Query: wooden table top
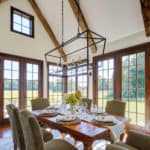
83,130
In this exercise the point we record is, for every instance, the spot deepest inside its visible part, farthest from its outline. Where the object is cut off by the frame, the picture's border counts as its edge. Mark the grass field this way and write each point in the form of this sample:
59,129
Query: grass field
134,110
13,97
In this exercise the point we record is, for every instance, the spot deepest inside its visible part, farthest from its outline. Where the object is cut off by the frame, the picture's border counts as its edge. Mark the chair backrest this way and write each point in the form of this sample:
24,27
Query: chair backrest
88,102
116,108
18,136
31,130
39,103
138,140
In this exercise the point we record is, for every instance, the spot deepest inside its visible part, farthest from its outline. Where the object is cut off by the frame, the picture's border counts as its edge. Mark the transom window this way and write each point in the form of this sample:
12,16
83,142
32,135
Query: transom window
22,22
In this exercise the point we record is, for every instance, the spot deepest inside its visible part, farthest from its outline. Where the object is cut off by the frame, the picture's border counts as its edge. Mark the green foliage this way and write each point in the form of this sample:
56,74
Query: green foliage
73,98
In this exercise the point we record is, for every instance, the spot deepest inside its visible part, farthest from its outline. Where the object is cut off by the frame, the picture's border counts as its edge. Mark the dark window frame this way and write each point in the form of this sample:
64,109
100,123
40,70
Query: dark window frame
22,80
31,18
63,79
117,55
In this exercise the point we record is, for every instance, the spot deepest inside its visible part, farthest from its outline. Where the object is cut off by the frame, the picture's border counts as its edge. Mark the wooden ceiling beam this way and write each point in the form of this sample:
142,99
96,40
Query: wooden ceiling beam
1,1
47,28
145,5
82,22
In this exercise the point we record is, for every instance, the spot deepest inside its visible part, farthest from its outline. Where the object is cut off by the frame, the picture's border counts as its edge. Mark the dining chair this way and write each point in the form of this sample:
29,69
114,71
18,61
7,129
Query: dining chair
116,108
17,132
135,141
39,103
33,136
88,102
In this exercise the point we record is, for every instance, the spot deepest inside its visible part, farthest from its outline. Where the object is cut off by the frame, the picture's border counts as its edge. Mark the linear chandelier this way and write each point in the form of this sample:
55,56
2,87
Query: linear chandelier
84,39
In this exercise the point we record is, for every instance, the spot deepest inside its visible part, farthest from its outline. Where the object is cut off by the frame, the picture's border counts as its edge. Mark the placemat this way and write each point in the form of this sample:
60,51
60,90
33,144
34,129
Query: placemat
48,114
76,121
103,123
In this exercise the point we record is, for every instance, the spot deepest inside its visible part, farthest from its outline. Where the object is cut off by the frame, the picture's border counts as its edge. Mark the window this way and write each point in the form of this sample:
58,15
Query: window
11,84
133,86
55,84
77,78
32,84
105,82
20,81
129,82
22,22
71,79
82,79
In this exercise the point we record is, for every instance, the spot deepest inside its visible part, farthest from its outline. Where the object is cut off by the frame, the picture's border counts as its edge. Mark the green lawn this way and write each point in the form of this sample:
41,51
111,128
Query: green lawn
133,107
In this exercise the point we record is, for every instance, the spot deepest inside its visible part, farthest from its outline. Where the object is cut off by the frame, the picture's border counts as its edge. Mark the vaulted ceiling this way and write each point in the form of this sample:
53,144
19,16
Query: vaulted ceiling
113,20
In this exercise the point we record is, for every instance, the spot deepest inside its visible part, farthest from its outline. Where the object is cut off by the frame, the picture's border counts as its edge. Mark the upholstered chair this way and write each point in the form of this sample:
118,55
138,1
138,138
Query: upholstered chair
33,136
18,136
17,132
39,103
116,108
88,102
135,141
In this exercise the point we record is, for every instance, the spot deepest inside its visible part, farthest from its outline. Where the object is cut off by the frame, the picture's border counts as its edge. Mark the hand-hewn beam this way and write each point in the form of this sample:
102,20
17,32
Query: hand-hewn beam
47,27
145,5
82,22
3,1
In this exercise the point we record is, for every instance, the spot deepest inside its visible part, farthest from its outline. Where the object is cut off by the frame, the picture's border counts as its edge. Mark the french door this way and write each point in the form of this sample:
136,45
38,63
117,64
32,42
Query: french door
20,82
11,84
122,76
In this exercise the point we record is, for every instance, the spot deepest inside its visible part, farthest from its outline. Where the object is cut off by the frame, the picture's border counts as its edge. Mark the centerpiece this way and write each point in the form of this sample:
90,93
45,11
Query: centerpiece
73,99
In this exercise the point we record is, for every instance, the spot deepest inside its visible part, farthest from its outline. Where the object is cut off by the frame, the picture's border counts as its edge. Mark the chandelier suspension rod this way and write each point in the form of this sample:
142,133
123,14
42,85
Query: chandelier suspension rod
62,22
78,30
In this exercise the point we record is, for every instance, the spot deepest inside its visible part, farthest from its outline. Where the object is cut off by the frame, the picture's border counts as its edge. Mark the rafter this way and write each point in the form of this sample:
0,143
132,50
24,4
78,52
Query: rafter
47,28
1,1
82,22
145,5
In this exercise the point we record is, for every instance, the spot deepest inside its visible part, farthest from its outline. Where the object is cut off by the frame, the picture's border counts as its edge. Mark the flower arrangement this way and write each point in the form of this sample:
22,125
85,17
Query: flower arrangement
73,98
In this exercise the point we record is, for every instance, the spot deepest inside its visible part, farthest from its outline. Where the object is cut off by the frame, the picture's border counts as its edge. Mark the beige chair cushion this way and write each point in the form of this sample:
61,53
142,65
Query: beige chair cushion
139,140
16,126
59,145
39,103
33,135
126,146
116,108
115,147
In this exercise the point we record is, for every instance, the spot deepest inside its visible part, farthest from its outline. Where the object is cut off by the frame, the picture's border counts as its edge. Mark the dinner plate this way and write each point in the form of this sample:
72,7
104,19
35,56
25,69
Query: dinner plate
104,119
66,118
49,111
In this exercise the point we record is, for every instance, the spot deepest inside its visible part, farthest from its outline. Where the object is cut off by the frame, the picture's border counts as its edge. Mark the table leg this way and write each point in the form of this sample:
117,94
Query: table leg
87,146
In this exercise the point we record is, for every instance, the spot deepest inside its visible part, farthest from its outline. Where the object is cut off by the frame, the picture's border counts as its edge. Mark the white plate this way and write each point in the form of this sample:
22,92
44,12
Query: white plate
104,119
49,111
66,117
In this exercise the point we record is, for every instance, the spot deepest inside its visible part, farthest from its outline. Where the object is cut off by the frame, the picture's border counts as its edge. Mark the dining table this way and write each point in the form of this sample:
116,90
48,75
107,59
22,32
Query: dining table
84,131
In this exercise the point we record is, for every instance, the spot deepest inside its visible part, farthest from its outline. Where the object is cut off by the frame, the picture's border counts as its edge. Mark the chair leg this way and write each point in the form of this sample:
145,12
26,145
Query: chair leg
122,136
15,146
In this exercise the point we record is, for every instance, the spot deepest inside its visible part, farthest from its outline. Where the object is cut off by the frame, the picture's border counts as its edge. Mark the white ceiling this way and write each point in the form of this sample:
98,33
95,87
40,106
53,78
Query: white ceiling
114,19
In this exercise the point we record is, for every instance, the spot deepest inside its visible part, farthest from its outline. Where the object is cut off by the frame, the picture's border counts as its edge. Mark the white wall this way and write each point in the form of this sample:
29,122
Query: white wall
13,43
